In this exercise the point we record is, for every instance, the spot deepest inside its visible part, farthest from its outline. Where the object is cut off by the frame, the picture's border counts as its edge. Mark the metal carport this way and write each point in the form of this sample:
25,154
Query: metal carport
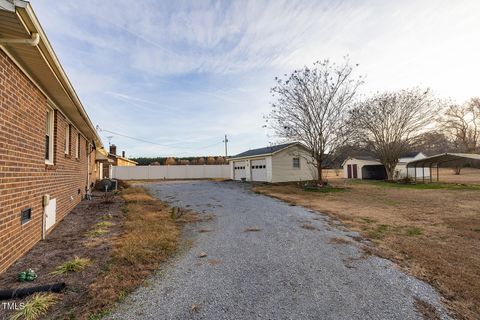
440,159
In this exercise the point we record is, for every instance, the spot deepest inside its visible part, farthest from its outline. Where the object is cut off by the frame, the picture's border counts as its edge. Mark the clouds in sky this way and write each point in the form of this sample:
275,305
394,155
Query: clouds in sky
183,73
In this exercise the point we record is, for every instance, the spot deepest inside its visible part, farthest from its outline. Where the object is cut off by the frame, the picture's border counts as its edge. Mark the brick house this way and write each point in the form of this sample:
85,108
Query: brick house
47,141
105,161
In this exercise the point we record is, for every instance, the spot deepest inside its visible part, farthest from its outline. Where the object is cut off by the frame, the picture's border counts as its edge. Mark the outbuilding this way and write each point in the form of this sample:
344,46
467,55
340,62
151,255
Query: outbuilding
367,167
280,163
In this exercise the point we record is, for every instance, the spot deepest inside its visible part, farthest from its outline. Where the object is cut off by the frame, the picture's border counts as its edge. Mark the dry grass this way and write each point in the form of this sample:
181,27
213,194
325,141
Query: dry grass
427,310
150,235
432,233
75,265
35,307
338,240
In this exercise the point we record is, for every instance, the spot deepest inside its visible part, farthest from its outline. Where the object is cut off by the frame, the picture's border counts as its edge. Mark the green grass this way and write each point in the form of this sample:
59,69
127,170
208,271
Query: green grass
35,307
104,224
414,231
75,265
379,232
96,232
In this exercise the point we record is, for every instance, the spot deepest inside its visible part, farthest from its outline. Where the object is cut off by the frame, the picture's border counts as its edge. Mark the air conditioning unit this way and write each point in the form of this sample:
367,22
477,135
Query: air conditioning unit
46,200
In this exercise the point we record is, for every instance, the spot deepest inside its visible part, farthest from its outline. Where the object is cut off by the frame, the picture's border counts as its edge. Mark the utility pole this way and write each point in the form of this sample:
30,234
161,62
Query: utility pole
225,141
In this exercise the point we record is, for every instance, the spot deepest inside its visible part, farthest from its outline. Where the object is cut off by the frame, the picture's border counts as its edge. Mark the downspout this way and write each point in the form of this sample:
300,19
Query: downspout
33,41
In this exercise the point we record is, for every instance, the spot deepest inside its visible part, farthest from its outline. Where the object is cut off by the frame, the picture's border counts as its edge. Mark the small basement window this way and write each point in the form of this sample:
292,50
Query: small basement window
26,215
296,162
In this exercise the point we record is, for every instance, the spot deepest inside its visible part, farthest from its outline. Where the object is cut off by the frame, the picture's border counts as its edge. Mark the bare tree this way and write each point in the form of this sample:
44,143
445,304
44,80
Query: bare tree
462,123
201,161
391,123
312,107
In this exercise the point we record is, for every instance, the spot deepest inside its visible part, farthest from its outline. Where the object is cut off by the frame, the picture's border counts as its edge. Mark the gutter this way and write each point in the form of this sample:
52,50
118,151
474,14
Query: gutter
33,41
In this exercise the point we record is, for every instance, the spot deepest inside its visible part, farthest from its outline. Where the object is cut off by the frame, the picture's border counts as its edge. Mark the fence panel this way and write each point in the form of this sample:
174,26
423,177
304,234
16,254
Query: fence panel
172,172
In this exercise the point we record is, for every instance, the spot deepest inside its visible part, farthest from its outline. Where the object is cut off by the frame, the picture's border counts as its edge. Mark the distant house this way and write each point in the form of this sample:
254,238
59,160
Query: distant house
367,167
47,141
280,163
105,161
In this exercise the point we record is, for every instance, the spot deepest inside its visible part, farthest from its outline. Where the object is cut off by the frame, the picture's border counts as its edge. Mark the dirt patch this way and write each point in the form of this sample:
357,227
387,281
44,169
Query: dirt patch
429,232
64,243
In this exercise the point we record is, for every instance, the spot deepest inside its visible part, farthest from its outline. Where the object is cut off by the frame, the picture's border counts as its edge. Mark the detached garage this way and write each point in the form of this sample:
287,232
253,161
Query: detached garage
281,163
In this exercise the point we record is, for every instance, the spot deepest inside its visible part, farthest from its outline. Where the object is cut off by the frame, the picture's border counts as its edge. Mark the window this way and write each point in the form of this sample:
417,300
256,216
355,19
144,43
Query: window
67,139
26,215
296,162
49,137
78,146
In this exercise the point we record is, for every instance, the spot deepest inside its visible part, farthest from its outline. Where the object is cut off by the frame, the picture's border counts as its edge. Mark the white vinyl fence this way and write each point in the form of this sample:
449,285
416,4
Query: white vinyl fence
172,172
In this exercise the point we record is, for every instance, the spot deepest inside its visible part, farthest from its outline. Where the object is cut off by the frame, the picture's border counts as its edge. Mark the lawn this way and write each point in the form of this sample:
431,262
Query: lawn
432,231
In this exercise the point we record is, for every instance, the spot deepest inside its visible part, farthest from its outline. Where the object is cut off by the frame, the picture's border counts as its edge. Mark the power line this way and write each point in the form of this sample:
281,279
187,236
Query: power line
155,143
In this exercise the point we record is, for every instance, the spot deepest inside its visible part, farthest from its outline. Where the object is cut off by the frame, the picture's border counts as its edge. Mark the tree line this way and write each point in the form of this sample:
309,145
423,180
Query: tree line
320,106
160,161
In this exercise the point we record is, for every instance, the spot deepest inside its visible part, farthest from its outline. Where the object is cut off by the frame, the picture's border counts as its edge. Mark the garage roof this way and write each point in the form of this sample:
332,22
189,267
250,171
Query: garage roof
264,151
40,63
442,158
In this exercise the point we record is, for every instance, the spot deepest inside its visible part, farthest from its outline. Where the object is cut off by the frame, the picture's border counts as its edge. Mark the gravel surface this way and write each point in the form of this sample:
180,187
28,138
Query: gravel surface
282,271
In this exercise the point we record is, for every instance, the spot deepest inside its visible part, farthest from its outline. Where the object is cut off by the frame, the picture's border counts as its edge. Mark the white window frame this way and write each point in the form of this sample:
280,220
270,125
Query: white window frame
77,144
67,139
293,162
49,126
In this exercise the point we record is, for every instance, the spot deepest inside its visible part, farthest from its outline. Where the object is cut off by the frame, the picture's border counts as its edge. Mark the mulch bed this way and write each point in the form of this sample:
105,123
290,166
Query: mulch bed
68,240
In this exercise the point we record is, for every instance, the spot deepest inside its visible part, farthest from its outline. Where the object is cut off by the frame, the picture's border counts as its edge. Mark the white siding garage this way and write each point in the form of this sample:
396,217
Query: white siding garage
281,163
239,170
259,170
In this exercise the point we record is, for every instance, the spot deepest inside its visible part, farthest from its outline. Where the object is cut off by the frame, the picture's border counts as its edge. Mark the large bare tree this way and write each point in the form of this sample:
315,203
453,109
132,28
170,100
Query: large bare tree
390,123
311,106
462,123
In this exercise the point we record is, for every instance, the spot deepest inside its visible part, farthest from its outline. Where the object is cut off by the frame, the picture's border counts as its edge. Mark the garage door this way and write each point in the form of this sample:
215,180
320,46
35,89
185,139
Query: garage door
259,170
239,170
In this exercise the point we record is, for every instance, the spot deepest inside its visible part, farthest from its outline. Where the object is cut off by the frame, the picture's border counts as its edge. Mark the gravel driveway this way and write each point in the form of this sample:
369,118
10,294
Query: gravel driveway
282,271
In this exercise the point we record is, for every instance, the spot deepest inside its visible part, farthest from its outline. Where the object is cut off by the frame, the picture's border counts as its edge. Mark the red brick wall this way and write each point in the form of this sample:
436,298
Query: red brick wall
24,176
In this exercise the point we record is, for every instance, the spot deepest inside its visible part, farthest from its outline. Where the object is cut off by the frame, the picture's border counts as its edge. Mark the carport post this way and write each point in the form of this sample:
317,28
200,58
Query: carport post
437,172
423,173
430,170
415,172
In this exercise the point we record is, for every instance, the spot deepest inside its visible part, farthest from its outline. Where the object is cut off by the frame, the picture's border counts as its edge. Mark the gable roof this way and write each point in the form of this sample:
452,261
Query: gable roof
411,154
264,151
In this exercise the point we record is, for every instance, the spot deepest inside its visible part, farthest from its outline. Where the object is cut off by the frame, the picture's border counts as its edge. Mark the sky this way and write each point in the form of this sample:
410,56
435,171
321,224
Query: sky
178,75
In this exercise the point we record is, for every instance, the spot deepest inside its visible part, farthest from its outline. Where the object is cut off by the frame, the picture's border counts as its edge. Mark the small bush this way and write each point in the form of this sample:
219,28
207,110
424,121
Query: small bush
35,307
75,265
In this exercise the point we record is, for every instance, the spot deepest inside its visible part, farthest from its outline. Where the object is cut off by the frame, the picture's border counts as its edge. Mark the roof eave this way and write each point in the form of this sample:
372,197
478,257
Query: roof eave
28,19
